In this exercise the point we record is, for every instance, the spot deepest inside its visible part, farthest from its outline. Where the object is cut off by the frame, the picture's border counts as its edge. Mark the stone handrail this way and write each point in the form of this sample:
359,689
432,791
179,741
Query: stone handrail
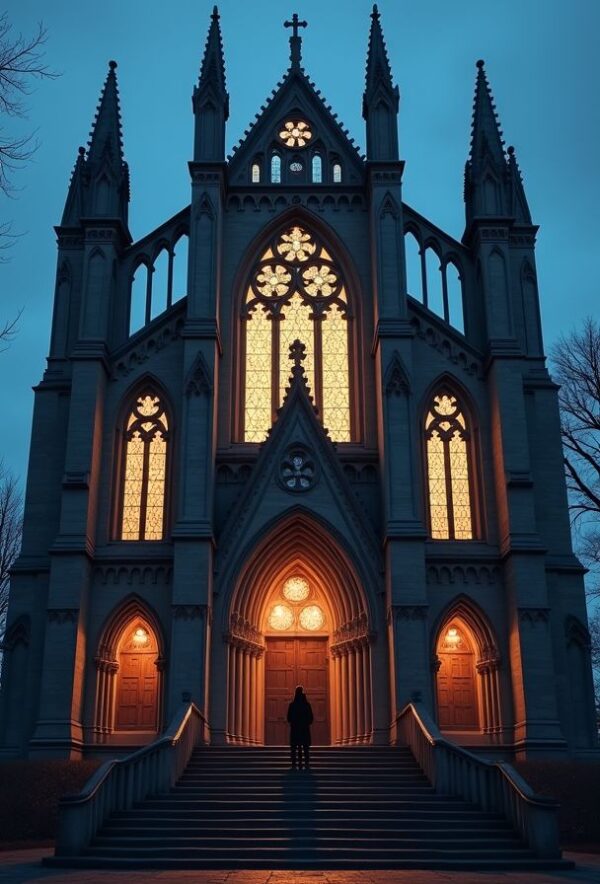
493,786
121,782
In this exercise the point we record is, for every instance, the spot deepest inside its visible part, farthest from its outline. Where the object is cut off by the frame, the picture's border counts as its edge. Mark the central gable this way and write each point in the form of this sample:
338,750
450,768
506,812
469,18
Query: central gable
296,100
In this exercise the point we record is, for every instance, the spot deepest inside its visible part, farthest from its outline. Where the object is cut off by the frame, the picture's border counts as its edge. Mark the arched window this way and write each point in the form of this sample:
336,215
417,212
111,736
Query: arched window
296,291
317,169
276,169
337,173
255,173
448,469
145,470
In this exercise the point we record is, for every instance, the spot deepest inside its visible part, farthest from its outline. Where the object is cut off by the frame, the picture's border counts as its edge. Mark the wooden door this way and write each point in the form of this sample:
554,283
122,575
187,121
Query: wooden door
289,662
137,691
456,691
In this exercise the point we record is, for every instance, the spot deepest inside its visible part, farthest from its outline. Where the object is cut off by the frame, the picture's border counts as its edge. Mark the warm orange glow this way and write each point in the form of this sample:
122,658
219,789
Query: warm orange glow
296,589
447,438
296,292
140,636
281,617
312,618
145,471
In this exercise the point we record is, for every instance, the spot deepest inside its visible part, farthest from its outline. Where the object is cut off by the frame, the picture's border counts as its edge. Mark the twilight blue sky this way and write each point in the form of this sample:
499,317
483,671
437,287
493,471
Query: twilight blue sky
541,59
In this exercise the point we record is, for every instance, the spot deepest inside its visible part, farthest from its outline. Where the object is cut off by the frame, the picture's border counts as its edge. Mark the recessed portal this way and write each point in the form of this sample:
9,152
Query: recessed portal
456,688
290,662
137,682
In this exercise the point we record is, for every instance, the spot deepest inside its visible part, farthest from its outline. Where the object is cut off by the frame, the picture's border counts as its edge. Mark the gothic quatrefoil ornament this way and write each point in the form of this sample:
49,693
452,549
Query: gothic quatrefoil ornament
297,471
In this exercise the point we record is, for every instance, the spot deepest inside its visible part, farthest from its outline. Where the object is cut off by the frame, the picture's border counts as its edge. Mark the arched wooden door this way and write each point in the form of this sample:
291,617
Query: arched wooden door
137,680
456,686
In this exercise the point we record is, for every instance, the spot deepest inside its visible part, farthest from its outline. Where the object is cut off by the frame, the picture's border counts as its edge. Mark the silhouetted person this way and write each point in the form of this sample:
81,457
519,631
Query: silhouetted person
300,718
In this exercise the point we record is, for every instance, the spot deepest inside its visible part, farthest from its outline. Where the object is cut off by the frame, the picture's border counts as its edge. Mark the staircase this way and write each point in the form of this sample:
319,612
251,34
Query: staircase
356,808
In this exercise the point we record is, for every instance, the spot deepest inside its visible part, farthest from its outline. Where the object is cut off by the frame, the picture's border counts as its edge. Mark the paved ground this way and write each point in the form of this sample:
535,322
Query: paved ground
23,867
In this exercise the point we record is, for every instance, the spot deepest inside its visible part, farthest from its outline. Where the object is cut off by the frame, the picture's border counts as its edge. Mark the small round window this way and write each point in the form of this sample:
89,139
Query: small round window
295,133
296,167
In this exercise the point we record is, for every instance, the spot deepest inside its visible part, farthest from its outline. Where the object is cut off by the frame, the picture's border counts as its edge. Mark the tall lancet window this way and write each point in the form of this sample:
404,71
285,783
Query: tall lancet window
449,469
296,291
145,469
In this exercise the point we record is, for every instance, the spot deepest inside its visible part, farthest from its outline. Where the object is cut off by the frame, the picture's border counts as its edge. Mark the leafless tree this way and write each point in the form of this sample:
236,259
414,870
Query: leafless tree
11,527
594,624
21,62
576,359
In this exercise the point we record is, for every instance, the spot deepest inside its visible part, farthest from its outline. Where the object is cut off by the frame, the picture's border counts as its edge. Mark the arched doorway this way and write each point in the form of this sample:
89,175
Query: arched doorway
136,706
299,615
129,689
466,669
456,688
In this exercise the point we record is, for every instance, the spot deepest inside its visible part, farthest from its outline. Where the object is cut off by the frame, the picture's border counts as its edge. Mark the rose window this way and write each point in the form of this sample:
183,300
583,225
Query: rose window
295,133
312,618
297,472
296,589
281,617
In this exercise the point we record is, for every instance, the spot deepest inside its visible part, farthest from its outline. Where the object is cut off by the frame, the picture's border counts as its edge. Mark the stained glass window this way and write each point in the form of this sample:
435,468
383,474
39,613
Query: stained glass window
296,589
295,133
276,169
448,469
146,440
337,173
311,618
317,169
255,173
296,291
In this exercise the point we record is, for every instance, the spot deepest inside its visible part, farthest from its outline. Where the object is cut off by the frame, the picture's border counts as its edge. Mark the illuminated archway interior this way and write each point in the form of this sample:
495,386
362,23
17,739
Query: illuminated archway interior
129,682
467,675
298,615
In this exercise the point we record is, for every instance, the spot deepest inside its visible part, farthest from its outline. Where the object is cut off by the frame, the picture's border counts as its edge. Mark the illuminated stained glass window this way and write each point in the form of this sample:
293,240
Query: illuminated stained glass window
448,469
255,173
295,133
146,440
281,617
296,292
296,589
311,618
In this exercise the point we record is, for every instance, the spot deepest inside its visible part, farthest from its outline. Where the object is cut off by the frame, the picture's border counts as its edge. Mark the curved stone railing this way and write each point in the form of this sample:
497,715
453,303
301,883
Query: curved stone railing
493,786
120,783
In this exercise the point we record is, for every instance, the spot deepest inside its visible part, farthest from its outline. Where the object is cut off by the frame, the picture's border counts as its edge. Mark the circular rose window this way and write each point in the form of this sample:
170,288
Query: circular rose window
281,617
295,133
312,618
296,589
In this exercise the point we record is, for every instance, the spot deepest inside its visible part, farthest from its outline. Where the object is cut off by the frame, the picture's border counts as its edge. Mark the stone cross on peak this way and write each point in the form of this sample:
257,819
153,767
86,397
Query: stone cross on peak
295,39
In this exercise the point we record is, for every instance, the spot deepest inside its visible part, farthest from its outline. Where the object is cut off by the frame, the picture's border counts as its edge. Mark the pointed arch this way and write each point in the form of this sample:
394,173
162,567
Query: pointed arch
450,461
143,462
466,664
282,298
264,627
129,663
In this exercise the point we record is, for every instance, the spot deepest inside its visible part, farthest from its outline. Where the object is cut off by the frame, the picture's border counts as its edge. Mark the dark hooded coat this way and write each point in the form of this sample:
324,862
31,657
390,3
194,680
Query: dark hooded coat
300,717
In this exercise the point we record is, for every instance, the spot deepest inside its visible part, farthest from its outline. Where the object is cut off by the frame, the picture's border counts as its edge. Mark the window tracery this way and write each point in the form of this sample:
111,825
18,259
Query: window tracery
448,469
296,292
295,133
143,499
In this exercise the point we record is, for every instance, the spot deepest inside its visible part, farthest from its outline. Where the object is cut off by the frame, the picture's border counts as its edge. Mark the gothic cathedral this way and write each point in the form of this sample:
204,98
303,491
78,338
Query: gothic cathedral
263,454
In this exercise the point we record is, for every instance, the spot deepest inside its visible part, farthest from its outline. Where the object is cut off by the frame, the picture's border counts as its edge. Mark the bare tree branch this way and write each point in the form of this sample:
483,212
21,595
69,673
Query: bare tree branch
576,361
11,528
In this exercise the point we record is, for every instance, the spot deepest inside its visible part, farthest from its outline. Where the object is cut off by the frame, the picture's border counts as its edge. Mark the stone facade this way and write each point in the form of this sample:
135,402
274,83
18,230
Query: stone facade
400,603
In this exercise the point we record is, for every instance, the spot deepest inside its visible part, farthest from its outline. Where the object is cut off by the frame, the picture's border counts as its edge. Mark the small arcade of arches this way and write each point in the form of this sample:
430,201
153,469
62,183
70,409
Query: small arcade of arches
129,684
298,616
466,666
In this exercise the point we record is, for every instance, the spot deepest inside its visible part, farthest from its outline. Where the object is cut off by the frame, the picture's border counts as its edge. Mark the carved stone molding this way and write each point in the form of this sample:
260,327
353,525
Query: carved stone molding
447,347
63,615
190,612
147,347
254,648
407,612
134,574
534,615
435,663
396,377
199,380
443,574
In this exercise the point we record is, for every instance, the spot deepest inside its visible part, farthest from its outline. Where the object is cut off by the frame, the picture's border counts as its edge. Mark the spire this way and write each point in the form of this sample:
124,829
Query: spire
295,40
486,172
107,174
519,206
486,136
212,69
378,65
210,99
74,209
105,137
381,99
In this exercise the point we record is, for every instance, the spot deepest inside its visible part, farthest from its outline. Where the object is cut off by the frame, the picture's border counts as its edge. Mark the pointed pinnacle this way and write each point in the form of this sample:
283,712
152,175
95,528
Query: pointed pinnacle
485,132
106,129
212,68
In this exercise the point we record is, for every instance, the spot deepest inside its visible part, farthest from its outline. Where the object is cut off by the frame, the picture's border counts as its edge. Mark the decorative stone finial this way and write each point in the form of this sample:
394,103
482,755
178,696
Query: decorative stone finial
295,39
112,65
297,355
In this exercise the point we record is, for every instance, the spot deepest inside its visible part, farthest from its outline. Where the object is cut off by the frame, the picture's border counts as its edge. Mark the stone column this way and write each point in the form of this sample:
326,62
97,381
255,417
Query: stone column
247,700
231,692
360,692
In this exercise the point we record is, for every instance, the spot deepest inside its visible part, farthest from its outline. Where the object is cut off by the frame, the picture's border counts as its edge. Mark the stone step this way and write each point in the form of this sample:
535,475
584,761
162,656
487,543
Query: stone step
252,826
377,840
